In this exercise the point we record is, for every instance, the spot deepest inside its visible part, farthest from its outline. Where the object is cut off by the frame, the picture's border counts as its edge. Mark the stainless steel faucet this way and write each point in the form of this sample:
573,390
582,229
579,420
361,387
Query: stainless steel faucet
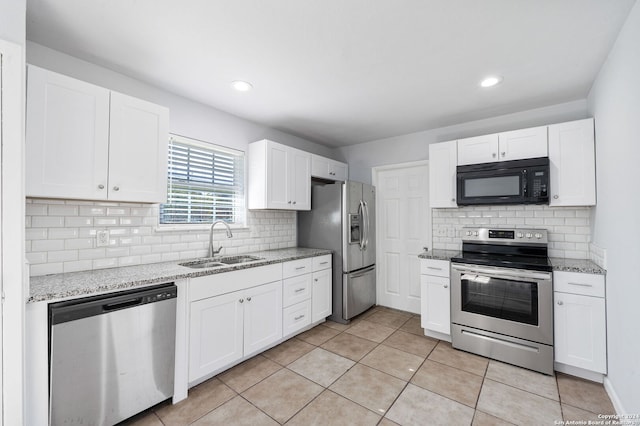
213,252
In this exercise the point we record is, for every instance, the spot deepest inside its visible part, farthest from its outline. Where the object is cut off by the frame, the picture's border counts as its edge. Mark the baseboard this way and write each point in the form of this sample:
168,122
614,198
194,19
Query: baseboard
579,372
617,404
437,335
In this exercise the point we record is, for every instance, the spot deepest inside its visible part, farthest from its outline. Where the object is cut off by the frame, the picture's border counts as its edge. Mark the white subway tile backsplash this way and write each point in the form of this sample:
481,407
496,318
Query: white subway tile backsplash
61,235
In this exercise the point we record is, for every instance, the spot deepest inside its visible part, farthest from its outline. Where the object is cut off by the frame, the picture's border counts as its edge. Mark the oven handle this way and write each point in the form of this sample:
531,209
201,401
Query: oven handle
518,273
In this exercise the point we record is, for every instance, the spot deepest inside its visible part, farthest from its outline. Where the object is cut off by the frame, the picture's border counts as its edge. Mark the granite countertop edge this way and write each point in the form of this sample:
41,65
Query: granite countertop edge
59,287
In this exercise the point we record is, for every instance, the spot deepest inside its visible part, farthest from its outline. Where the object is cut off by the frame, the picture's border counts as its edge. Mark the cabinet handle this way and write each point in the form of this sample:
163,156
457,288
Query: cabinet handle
446,286
493,155
581,284
434,268
560,302
116,188
503,153
299,317
555,197
299,289
241,300
300,267
101,186
323,263
249,299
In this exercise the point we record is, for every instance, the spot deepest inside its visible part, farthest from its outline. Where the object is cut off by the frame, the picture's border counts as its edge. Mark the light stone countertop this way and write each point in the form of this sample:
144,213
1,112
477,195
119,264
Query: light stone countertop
439,254
85,283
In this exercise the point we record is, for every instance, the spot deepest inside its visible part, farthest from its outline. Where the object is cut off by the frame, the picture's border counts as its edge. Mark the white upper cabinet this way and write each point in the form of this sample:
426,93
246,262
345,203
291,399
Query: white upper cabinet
572,164
279,177
326,168
479,149
442,174
86,142
505,146
521,144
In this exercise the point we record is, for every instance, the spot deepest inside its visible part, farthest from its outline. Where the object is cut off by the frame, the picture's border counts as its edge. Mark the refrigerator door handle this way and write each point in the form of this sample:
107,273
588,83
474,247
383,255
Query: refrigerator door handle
361,212
366,224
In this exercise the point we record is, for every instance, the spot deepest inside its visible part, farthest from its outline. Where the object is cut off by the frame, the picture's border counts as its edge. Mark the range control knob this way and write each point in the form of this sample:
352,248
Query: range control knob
538,235
528,235
520,235
469,233
475,233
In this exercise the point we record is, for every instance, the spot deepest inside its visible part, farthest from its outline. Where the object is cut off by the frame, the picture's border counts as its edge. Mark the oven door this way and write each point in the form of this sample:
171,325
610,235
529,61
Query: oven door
512,302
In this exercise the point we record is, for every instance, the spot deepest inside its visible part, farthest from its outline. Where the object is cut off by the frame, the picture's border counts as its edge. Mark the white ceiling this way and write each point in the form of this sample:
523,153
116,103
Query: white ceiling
341,72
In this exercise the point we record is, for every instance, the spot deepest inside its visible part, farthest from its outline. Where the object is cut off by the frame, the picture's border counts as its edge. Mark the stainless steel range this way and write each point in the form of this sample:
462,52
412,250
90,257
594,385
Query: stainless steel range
502,297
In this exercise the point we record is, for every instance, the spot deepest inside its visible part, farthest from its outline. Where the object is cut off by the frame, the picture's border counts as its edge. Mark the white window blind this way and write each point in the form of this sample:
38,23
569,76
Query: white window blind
205,183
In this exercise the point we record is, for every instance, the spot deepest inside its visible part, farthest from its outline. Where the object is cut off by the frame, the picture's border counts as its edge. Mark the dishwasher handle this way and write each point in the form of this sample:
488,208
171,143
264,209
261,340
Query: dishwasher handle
121,305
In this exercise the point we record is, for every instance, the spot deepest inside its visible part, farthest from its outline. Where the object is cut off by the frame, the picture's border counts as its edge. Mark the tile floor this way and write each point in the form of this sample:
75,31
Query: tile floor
379,370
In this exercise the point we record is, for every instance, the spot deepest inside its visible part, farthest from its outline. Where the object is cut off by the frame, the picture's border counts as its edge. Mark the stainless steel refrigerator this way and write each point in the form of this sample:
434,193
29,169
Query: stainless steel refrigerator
342,219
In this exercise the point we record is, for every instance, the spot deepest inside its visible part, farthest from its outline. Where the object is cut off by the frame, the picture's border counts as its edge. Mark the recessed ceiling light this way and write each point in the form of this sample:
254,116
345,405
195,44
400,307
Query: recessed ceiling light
491,81
241,86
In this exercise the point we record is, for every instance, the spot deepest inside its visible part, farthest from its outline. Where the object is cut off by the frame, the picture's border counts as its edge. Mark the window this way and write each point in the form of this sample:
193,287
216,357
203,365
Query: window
205,183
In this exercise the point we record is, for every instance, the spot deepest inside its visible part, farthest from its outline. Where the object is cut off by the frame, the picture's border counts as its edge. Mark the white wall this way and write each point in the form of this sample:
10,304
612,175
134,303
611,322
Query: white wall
414,146
13,21
187,117
614,101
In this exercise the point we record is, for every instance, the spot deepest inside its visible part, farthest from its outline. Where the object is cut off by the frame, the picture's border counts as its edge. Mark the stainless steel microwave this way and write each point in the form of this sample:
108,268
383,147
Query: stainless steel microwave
504,182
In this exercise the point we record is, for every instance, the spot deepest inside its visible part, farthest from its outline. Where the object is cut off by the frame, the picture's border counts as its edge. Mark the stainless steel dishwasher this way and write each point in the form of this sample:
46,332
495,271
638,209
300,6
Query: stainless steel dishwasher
111,356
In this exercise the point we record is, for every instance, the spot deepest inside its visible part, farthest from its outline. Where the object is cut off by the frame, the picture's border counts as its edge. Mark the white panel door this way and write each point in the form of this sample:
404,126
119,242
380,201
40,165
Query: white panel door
479,149
138,150
436,301
403,227
524,143
67,137
262,316
321,295
277,177
299,179
443,158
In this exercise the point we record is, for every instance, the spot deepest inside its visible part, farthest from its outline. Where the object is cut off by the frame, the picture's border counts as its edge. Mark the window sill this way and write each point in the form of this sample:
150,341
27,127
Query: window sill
203,227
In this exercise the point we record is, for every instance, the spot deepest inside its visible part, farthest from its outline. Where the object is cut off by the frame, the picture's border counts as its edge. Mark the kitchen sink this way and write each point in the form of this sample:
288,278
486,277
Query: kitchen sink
213,262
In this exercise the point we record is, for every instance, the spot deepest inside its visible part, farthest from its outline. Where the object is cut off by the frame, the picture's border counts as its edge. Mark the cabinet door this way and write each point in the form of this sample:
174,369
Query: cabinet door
479,149
278,190
525,143
443,159
572,164
320,167
299,168
138,150
580,331
67,137
435,299
262,316
338,170
216,329
321,295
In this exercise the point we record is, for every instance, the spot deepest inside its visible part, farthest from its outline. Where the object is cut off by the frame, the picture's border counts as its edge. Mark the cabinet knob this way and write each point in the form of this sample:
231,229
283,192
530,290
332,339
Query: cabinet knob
560,302
101,186
555,197
116,188
294,202
453,200
446,286
503,153
315,279
249,299
493,155
241,300
289,202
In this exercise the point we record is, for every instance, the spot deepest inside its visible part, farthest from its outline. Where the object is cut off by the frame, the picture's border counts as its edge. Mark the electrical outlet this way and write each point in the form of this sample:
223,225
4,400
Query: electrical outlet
102,238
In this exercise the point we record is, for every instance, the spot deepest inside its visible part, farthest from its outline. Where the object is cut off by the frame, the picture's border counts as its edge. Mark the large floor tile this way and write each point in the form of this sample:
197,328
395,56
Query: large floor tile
413,326
484,419
287,352
371,331
147,418
414,344
386,422
336,325
368,387
318,335
444,353
236,412
521,378
349,346
321,366
570,413
244,375
400,364
283,394
331,409
389,318
450,382
201,400
517,406
417,406
584,394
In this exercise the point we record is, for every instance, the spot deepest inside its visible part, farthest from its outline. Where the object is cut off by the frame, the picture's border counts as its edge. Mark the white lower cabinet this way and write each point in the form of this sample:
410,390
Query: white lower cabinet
435,298
321,295
580,321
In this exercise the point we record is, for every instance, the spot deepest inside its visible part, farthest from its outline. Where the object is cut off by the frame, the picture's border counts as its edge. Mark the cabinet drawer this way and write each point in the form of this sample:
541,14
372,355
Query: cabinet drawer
579,283
434,267
296,289
321,262
296,317
297,267
227,282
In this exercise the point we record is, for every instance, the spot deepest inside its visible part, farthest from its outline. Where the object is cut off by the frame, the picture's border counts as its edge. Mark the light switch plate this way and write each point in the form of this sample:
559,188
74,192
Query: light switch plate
102,238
